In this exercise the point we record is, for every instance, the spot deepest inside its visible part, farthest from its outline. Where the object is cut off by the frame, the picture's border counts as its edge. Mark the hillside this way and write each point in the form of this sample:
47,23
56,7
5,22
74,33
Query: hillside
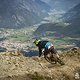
21,13
14,66
72,14
72,17
43,28
62,4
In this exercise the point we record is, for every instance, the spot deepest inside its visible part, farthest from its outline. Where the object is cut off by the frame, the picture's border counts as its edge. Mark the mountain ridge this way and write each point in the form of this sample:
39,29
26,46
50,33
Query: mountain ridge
20,13
73,18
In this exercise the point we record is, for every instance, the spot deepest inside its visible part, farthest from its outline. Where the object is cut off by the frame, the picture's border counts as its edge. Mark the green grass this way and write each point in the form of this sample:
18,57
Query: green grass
60,42
18,37
21,35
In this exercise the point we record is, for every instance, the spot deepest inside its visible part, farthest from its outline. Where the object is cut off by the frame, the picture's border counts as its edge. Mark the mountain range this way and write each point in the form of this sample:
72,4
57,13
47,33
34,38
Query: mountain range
62,4
21,13
73,17
73,29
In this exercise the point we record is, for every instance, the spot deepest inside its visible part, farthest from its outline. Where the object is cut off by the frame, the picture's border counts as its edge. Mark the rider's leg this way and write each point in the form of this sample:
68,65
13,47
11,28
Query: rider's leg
53,50
53,54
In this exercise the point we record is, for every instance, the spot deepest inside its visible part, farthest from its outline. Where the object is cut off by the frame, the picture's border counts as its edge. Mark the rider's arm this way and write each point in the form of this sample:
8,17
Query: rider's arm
40,52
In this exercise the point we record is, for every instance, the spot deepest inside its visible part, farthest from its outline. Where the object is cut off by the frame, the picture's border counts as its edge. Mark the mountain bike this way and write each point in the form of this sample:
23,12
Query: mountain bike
53,58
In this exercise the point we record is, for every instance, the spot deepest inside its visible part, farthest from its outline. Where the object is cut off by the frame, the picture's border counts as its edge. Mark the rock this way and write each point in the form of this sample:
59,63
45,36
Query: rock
13,53
77,73
10,75
77,76
13,67
75,48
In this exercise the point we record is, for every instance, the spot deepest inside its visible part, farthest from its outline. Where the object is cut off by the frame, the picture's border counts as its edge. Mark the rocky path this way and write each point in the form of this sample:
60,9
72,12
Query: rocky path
15,66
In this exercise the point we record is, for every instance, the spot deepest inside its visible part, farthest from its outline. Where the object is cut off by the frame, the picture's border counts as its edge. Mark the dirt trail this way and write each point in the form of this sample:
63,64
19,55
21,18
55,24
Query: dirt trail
14,66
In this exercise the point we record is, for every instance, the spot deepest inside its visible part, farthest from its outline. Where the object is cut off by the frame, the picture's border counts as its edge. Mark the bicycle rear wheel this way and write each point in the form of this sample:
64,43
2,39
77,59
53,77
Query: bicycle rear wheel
54,60
60,61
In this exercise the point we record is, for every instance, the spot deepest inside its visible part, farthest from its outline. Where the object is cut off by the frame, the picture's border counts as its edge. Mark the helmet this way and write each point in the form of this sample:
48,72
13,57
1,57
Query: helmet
36,41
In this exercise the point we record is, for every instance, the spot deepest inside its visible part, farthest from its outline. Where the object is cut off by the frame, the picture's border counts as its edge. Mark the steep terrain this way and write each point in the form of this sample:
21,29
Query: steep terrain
73,14
21,13
14,66
72,17
47,27
62,4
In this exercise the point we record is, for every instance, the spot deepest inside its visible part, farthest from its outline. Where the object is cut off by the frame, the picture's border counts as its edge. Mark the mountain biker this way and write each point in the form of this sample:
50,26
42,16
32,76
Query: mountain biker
46,45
